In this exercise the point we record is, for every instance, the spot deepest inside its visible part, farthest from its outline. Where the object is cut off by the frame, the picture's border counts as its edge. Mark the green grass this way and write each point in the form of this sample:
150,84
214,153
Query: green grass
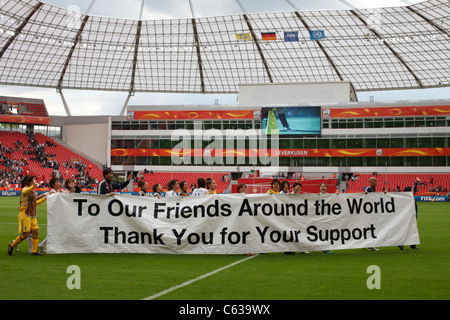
408,274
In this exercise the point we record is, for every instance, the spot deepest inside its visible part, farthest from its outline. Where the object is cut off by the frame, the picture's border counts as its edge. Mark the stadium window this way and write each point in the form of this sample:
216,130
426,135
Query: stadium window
411,161
419,122
397,143
383,161
359,123
323,143
425,161
389,123
430,122
354,143
383,143
424,142
351,123
439,142
189,125
355,161
310,143
141,161
134,125
439,161
342,123
143,125
116,160
115,143
335,161
285,143
325,123
440,122
338,143
378,123
368,123
297,143
370,161
334,123
125,126
409,122
324,161
141,144
411,143
397,161
399,122
166,144
179,124
154,161
165,161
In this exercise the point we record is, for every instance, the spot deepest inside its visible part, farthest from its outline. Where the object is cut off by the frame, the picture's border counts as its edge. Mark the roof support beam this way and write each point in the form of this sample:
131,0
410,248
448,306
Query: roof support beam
322,48
19,29
395,53
199,56
258,46
75,42
135,56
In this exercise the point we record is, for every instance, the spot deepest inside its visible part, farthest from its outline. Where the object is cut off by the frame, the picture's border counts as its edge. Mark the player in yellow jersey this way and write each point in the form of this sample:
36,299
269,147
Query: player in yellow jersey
27,216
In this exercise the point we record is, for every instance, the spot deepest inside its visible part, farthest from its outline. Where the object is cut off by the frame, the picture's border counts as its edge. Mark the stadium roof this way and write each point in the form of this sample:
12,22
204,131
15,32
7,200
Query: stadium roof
405,47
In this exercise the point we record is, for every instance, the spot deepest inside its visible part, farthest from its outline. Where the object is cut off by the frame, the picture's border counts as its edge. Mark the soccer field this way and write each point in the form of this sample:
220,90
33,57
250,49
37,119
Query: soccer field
407,274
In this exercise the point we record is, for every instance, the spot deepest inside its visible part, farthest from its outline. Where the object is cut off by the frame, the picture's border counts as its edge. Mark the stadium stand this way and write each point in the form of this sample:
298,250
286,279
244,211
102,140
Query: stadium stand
44,157
429,182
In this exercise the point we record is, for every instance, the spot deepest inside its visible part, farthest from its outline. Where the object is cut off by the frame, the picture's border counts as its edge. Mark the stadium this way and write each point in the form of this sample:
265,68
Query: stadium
296,78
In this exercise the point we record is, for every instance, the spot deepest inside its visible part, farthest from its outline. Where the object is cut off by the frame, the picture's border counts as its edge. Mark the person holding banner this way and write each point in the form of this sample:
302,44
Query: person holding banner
183,189
200,190
323,187
212,186
157,190
56,188
144,187
172,185
372,188
274,186
297,188
70,186
108,187
27,216
409,189
284,186
241,188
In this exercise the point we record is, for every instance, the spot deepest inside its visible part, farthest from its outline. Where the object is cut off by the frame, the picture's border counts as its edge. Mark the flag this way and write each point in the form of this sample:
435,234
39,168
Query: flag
317,34
268,36
290,36
272,126
243,36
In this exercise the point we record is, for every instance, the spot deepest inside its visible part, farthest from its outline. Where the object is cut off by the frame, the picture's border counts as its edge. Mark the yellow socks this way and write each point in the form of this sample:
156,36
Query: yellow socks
18,240
35,243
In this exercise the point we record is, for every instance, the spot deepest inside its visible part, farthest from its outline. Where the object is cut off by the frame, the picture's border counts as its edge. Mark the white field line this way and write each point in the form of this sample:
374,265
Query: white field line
184,284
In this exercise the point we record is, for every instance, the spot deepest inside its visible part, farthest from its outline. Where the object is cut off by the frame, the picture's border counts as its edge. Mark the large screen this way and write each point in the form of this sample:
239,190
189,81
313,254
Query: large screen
291,120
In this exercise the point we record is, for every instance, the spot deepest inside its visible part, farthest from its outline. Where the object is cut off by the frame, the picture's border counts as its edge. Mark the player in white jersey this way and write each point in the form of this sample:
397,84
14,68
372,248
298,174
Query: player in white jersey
200,190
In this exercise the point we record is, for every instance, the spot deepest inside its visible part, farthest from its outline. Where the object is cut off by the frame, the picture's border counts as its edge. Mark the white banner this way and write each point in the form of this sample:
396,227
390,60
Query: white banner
228,223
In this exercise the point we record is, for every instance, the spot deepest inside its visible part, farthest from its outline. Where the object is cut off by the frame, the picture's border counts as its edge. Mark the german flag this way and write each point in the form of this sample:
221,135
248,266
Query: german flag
268,36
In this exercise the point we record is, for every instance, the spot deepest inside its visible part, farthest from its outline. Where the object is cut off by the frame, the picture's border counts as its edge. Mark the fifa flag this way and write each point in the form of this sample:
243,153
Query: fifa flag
290,36
268,36
243,36
317,34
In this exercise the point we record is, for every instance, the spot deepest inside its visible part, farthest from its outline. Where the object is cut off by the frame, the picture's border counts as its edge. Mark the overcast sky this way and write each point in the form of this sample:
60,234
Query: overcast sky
111,103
